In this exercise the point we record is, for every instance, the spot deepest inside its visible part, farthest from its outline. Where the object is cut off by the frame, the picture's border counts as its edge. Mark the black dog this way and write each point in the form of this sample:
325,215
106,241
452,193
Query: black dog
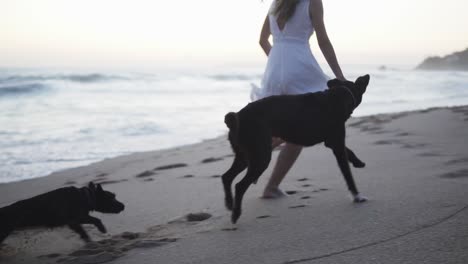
305,119
65,206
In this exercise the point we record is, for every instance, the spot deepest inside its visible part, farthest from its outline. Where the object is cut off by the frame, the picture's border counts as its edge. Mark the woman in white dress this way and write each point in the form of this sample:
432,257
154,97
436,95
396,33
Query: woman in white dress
291,67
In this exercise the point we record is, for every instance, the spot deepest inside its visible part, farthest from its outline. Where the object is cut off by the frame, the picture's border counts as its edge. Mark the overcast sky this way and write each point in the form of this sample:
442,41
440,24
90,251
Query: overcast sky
154,32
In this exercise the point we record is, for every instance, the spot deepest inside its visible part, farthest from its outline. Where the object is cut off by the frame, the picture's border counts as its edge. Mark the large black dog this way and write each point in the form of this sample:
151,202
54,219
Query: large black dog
65,206
305,119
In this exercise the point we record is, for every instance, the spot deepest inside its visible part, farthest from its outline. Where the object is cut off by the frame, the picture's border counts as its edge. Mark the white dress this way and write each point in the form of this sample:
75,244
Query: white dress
291,67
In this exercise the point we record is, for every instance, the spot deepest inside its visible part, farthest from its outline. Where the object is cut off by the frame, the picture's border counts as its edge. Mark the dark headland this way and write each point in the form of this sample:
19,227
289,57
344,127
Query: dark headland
457,61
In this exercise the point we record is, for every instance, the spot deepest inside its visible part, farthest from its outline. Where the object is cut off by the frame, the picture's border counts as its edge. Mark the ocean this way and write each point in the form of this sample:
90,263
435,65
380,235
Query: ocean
56,119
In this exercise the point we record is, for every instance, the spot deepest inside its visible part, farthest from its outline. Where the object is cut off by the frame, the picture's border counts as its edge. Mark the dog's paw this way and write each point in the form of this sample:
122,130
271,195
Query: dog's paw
358,198
101,228
235,215
359,164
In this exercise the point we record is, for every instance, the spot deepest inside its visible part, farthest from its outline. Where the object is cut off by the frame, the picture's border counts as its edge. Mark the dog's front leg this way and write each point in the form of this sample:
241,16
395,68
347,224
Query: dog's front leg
342,159
95,221
357,163
337,143
79,229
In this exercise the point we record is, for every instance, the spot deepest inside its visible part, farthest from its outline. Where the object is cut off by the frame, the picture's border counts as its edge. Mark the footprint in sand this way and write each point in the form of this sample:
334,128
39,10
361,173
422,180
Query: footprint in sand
463,173
320,190
187,176
413,145
305,197
51,256
297,206
69,183
429,154
101,257
291,192
197,217
170,166
215,176
145,174
209,160
105,182
263,216
403,134
148,179
153,243
303,179
229,229
372,129
306,185
379,131
130,235
387,142
456,161
358,123
86,251
398,116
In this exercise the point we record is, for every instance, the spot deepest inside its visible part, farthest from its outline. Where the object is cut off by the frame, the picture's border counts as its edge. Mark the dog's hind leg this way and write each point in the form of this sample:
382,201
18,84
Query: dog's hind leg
258,163
79,229
357,163
237,167
337,144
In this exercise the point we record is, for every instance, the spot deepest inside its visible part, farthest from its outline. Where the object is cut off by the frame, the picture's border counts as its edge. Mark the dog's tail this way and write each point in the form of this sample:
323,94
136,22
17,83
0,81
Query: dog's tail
232,122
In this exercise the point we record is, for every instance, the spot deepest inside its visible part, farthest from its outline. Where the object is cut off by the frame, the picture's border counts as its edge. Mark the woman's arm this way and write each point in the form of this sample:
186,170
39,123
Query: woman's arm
316,15
264,35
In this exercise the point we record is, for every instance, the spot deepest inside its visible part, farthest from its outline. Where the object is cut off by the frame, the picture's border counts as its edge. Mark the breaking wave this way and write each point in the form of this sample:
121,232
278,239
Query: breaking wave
10,90
80,78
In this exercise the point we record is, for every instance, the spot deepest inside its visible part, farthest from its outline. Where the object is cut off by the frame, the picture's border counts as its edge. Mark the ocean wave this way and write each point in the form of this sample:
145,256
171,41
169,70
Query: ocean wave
234,77
141,130
21,89
81,78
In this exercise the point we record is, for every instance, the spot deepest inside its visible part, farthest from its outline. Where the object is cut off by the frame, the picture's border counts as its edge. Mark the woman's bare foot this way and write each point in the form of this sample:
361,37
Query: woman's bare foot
273,193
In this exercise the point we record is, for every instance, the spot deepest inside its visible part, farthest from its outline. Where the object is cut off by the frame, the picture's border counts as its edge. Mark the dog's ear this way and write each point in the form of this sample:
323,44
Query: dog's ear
334,83
99,188
92,186
362,82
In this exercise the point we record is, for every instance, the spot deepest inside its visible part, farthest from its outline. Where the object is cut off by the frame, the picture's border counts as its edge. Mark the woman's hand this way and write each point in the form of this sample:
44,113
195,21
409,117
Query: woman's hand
316,17
341,78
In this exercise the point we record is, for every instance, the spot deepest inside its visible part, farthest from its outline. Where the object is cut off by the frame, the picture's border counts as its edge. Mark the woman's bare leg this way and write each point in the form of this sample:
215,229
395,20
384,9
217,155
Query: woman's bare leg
286,159
275,142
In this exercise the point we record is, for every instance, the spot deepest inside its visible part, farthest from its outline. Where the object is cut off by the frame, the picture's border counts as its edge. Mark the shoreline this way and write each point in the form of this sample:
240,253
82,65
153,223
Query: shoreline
210,139
415,177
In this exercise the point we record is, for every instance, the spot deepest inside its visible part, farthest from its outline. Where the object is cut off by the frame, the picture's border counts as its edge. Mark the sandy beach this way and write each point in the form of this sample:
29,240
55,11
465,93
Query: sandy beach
416,178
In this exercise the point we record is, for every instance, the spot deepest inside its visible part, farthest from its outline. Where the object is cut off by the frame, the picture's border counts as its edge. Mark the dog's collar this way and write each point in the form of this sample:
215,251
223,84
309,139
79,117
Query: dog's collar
90,198
352,96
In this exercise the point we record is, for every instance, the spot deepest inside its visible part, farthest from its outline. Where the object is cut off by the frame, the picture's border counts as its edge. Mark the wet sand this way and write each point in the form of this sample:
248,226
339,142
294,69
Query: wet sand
416,178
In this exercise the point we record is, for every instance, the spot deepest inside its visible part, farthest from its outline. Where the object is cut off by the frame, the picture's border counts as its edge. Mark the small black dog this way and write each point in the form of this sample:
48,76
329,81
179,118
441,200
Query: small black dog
305,119
65,206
